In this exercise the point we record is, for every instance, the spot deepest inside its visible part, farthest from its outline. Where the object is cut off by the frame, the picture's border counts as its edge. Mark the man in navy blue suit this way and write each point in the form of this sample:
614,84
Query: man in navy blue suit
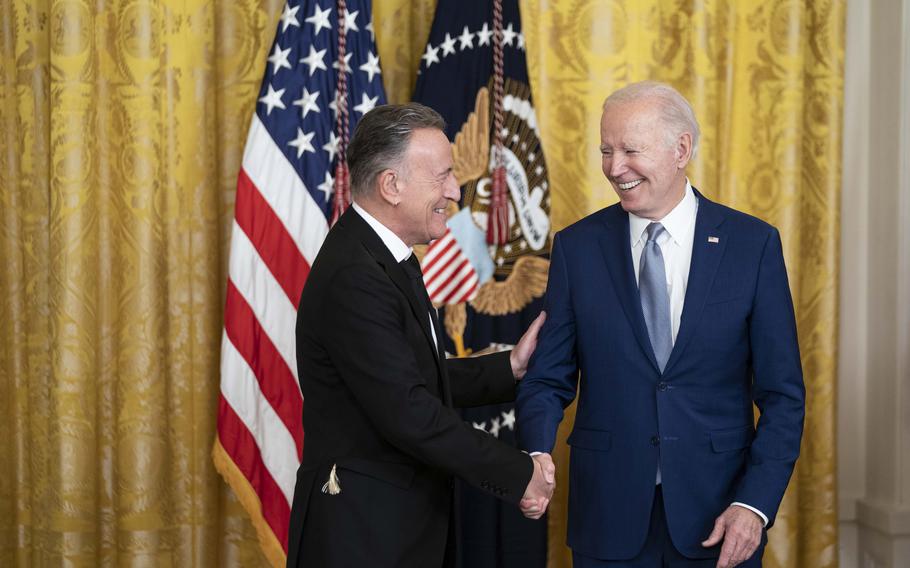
669,315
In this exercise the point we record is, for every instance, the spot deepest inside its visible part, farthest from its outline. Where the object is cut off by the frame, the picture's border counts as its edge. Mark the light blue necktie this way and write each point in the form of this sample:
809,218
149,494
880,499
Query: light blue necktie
655,300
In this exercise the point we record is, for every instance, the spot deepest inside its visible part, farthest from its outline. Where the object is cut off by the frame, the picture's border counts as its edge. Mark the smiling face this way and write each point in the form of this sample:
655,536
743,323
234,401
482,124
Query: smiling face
426,184
645,166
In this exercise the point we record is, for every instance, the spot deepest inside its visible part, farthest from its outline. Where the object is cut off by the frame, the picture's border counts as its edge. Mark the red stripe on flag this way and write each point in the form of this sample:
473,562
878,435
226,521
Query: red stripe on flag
276,381
458,294
439,255
273,243
240,445
455,274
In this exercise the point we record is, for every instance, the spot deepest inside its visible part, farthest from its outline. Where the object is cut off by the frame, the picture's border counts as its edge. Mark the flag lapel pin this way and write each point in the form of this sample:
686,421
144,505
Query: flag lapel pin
713,240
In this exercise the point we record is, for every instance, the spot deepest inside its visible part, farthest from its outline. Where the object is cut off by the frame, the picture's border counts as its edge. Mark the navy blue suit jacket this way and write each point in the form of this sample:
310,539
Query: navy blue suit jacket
736,346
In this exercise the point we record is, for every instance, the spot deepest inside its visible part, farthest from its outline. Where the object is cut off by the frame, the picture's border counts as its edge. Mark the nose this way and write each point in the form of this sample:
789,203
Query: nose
452,189
614,165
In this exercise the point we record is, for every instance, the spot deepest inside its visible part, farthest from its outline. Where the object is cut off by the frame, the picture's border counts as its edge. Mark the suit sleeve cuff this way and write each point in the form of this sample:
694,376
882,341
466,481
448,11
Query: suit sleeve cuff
764,519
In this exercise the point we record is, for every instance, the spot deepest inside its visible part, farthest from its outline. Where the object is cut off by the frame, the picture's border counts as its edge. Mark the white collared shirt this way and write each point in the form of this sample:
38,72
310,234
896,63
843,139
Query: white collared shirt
392,241
396,246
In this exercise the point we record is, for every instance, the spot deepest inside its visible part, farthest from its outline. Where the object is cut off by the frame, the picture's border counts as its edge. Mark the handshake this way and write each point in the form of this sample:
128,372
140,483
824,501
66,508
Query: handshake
540,489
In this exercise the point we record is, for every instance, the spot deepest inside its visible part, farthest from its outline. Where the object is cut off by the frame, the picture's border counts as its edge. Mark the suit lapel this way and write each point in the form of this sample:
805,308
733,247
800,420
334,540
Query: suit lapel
615,244
706,258
394,271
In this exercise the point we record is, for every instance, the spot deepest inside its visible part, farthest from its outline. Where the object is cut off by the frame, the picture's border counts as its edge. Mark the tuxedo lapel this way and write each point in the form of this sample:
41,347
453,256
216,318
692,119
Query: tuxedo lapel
617,252
706,255
395,272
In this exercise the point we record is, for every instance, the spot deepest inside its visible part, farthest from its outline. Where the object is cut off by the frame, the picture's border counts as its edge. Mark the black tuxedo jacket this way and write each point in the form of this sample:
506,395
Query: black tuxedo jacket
378,405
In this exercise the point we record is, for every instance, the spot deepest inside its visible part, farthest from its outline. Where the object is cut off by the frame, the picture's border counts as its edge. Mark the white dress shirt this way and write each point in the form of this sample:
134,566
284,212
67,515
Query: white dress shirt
676,248
396,246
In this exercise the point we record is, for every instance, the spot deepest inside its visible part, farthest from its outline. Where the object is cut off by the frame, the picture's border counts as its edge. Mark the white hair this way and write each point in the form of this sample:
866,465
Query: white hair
675,111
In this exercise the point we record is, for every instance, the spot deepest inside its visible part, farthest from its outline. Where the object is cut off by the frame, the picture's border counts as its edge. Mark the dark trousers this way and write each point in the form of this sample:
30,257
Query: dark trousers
658,551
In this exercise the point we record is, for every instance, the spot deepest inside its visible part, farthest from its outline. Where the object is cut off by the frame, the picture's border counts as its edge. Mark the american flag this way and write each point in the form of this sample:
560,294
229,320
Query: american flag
283,209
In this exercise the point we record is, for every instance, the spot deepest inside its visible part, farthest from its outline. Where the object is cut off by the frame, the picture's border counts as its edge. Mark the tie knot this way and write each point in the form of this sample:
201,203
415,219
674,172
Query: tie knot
655,230
411,266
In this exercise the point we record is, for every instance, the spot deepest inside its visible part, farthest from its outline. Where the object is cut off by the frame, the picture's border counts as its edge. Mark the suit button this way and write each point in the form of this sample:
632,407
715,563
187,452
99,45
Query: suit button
662,386
655,441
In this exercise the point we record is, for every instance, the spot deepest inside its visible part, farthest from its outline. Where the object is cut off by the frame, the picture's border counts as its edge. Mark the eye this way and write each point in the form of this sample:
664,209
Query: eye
606,152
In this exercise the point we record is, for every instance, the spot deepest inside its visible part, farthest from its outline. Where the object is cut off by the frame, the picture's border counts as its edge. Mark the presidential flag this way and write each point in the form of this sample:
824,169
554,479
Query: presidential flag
322,75
488,273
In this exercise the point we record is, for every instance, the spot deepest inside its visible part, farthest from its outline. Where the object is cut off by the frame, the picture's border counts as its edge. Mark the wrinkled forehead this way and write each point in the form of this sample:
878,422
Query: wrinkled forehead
429,148
630,121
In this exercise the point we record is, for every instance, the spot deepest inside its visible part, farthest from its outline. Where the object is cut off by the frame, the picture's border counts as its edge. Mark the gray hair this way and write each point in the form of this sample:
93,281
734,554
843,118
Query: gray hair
675,111
381,140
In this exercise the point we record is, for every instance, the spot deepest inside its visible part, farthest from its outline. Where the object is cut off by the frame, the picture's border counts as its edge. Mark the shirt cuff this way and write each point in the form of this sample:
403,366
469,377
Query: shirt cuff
532,454
754,510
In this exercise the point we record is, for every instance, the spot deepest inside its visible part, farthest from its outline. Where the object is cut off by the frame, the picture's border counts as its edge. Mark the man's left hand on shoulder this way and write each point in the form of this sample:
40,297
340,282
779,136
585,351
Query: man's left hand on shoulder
741,532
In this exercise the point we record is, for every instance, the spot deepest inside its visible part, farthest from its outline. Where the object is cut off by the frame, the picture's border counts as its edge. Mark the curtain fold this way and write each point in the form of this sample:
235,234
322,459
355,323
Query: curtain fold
122,124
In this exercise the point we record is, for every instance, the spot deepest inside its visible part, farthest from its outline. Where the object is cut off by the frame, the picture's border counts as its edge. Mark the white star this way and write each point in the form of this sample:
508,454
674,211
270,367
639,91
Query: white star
508,35
448,46
532,156
371,67
350,21
320,19
347,63
331,146
272,99
369,28
289,17
466,39
521,42
366,104
538,170
279,58
479,426
303,142
515,138
307,102
484,35
494,426
508,419
430,56
314,60
327,186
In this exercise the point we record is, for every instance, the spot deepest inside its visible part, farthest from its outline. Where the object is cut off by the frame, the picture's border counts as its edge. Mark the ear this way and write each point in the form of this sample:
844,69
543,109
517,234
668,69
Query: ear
683,150
389,191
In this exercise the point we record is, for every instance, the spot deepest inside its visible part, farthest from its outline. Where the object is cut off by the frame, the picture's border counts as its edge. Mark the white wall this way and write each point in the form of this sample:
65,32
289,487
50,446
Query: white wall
874,357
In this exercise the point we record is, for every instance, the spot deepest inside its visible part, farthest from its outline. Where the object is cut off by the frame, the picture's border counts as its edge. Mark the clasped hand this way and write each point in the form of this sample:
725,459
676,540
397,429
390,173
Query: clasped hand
540,489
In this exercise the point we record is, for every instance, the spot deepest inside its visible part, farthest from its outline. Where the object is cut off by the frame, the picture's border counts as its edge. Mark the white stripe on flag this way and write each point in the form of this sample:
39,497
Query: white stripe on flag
455,280
255,282
281,187
276,445
442,278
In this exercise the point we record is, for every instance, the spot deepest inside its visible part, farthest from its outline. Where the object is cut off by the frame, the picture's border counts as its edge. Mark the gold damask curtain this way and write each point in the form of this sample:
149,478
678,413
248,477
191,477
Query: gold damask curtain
121,128
122,123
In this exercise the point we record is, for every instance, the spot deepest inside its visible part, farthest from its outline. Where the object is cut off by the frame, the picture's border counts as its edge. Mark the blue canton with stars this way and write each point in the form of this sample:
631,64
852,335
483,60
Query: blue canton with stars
297,99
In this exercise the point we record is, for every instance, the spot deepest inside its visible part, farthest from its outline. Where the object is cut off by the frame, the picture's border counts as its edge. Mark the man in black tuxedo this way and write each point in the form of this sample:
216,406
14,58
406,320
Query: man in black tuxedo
383,441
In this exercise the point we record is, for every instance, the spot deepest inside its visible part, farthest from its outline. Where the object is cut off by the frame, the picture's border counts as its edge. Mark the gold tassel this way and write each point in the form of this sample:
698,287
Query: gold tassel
332,486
